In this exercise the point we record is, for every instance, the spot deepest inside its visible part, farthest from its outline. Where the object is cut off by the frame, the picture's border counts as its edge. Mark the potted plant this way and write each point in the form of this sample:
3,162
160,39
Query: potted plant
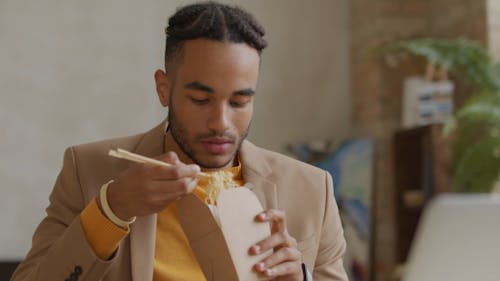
476,125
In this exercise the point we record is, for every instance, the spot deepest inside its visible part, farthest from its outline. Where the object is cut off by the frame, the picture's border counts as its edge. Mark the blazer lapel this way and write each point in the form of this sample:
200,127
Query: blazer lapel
206,239
143,231
255,172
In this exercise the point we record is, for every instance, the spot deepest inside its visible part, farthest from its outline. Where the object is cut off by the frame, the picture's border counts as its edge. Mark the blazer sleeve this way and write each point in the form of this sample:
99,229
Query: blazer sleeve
332,245
60,249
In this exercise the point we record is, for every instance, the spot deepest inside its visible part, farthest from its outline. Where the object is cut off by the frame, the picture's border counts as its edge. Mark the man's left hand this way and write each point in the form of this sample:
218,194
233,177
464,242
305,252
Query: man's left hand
285,263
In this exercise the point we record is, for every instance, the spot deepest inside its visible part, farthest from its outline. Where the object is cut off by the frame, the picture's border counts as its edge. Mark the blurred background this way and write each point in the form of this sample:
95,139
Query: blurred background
349,86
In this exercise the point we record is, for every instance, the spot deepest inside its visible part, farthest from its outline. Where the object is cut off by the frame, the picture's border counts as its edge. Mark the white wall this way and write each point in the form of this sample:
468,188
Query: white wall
77,71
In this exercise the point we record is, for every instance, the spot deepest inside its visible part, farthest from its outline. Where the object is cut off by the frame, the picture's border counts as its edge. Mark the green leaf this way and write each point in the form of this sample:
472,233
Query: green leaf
465,58
483,109
479,168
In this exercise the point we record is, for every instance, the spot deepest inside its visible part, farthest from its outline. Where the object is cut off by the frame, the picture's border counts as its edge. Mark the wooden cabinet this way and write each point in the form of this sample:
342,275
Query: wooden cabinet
422,169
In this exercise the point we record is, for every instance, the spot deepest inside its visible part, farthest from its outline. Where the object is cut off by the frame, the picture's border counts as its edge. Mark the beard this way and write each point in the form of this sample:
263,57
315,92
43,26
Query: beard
180,136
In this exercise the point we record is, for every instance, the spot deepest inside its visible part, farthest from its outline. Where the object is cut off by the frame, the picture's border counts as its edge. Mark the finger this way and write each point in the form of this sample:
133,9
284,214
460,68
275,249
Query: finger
276,217
169,157
278,257
177,187
157,172
275,241
160,196
286,268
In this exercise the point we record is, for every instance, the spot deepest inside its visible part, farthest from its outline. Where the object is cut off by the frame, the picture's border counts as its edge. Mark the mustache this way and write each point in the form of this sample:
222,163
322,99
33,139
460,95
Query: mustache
226,135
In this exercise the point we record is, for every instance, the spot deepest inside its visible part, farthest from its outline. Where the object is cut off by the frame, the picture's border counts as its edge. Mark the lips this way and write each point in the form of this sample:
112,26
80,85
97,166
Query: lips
217,145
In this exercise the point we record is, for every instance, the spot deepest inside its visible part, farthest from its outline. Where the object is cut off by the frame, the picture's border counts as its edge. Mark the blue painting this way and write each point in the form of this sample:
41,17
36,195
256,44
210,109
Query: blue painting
351,167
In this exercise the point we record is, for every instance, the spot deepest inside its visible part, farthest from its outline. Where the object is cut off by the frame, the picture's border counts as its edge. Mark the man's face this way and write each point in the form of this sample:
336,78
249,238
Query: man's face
210,99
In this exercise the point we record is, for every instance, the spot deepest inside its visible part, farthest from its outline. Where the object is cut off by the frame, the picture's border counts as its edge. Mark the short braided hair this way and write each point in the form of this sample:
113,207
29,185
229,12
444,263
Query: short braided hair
212,21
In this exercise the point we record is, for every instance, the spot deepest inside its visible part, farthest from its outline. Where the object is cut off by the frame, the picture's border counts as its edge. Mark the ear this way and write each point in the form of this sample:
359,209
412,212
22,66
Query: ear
163,85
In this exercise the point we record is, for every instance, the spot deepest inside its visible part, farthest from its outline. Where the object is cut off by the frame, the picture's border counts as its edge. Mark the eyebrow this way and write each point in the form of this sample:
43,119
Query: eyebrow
195,85
245,92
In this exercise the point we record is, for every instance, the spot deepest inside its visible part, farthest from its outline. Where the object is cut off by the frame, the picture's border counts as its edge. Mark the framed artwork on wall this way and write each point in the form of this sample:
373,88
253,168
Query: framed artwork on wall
351,167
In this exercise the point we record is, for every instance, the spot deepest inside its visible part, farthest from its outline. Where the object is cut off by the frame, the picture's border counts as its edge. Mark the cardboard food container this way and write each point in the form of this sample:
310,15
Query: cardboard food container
223,251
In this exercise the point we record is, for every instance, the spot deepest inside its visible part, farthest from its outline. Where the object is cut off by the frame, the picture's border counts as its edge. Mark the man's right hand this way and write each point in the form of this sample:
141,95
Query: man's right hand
145,189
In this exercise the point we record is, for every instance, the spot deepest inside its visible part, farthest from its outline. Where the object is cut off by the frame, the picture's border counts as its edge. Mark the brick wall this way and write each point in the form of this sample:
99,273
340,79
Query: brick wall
377,88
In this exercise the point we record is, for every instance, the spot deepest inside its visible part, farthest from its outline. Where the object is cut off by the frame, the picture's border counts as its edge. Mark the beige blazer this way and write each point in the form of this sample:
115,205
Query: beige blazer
60,249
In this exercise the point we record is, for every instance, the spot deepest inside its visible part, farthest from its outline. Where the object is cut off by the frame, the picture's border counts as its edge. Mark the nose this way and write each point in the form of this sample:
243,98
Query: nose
219,119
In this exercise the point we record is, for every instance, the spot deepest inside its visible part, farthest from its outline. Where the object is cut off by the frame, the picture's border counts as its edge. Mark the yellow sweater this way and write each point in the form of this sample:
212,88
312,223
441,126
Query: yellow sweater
174,258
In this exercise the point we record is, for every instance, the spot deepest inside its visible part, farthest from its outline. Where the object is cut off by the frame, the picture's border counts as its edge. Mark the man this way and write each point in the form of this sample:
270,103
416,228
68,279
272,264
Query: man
133,229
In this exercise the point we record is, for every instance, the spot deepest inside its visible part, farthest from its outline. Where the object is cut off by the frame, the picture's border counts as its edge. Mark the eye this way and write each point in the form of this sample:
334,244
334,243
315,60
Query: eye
238,103
199,101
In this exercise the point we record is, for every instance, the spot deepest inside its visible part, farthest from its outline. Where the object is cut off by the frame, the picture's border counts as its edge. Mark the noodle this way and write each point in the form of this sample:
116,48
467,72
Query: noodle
217,182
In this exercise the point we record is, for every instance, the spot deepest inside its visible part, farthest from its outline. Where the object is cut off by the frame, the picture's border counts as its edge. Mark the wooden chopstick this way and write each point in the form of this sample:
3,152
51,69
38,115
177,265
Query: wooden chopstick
124,154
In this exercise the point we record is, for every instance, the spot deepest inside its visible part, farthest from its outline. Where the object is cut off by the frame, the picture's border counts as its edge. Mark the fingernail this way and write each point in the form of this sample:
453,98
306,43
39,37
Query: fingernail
262,215
256,249
269,272
195,168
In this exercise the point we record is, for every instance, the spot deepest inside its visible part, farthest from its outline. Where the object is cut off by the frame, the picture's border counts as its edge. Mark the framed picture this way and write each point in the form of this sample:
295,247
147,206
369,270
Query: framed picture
426,102
351,167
